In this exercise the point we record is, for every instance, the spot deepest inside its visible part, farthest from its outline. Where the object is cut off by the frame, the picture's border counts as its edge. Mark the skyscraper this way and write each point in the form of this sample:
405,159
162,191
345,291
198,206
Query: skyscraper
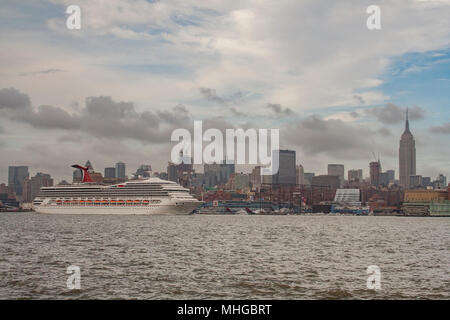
110,172
32,186
375,172
391,175
16,175
337,170
407,156
300,175
120,170
286,174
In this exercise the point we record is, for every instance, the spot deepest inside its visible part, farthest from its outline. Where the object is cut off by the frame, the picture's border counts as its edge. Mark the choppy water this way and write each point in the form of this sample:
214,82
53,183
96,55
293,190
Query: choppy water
223,257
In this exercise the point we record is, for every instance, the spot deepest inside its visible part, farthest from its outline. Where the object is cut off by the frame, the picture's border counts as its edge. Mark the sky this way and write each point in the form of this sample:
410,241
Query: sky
136,70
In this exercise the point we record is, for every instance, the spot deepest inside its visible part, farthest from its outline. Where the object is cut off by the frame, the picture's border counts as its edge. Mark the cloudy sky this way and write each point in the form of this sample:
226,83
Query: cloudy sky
114,90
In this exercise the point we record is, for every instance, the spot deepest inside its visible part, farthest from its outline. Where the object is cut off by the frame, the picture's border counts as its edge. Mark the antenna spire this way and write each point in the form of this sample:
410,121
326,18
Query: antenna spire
407,121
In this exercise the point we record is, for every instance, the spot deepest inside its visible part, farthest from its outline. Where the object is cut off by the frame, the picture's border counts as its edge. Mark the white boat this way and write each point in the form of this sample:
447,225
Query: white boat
150,196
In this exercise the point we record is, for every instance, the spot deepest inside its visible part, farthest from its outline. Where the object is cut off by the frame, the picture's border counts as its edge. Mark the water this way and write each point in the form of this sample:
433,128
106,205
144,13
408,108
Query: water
223,257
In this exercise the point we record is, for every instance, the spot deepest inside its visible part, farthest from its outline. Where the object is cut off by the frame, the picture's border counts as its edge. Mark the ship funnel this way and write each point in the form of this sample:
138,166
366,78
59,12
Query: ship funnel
84,173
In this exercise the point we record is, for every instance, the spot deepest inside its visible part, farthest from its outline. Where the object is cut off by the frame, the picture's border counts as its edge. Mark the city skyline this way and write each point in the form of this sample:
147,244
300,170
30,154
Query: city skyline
341,170
106,94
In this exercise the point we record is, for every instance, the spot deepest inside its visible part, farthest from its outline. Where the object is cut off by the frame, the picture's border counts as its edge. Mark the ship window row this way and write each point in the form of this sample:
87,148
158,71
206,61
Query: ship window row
97,198
105,193
107,190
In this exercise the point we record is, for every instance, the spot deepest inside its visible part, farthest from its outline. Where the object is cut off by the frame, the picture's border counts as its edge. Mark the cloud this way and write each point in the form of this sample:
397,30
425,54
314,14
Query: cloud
13,99
354,114
442,129
101,117
211,95
384,132
237,113
279,111
47,71
178,116
332,137
49,117
392,114
359,99
416,113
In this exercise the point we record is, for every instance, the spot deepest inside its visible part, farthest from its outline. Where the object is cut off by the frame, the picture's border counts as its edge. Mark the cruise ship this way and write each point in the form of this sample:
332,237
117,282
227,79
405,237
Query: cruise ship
149,196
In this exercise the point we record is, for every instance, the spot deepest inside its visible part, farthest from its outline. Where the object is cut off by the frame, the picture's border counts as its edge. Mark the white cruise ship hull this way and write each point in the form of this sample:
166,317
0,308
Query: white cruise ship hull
150,196
157,210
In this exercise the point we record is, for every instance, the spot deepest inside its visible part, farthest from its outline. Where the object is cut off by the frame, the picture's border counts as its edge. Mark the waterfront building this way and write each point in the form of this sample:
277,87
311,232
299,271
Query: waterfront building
239,181
266,179
349,197
426,181
355,175
182,172
407,156
308,177
4,188
416,195
332,182
110,172
218,173
427,202
255,178
440,182
144,171
415,181
337,170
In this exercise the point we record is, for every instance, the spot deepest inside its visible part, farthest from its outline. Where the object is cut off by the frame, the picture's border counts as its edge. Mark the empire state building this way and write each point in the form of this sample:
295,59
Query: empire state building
407,155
